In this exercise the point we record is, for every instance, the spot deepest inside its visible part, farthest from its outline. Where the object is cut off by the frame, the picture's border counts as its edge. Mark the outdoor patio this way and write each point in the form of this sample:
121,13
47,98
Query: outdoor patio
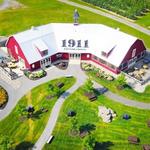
140,72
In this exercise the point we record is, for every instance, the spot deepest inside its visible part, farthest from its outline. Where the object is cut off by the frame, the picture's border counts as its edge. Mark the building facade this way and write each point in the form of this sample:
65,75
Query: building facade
45,45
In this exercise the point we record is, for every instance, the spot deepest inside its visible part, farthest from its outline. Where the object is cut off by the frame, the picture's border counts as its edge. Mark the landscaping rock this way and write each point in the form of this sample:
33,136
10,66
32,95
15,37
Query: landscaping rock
146,147
106,114
133,139
110,78
148,123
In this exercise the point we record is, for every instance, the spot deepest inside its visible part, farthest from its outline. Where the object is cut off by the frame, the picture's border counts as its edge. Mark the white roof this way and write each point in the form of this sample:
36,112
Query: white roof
98,37
39,44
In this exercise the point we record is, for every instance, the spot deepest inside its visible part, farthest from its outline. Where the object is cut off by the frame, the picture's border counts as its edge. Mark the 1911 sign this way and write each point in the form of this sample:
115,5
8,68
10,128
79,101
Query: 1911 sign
75,43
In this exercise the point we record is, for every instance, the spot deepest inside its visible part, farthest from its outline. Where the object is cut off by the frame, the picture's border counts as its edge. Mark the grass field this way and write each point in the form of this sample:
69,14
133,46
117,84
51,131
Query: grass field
144,21
1,1
26,132
126,92
38,13
109,136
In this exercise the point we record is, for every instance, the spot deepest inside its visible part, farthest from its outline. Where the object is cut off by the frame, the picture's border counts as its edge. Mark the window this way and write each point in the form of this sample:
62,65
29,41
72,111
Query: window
44,53
133,52
33,66
104,54
88,56
138,56
95,58
58,55
41,47
143,53
16,49
111,66
123,65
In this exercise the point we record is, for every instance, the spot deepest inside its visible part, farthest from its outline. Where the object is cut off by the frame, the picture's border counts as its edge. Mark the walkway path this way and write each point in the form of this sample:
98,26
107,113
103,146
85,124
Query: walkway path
5,4
26,85
53,117
99,12
123,100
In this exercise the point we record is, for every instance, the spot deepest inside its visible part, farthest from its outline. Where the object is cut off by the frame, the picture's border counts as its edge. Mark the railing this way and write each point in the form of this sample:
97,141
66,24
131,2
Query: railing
141,82
5,72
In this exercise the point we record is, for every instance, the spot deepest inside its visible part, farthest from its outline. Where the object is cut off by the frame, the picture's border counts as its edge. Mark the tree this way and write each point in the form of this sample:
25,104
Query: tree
121,81
5,142
30,110
88,85
89,142
54,90
74,126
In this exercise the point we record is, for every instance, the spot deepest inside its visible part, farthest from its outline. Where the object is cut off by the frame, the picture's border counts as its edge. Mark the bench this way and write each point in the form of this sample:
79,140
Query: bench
146,147
91,96
60,84
133,140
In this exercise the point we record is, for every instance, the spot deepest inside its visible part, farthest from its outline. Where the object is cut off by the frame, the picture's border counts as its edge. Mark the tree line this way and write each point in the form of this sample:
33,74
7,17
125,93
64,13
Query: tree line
127,8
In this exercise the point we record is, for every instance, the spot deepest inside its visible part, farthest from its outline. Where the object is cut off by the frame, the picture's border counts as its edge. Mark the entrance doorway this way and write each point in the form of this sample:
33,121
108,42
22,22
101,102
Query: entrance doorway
45,62
75,58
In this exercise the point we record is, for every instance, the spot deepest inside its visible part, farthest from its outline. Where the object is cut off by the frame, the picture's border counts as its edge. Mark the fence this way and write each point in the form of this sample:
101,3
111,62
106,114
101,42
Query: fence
138,81
10,75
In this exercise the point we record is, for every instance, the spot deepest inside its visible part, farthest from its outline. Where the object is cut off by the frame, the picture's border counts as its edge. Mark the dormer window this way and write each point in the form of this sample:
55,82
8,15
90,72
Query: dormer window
41,47
133,52
106,53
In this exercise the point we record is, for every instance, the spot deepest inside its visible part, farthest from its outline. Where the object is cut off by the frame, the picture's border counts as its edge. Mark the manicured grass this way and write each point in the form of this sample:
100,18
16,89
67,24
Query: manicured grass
144,21
39,12
1,1
126,92
30,129
111,136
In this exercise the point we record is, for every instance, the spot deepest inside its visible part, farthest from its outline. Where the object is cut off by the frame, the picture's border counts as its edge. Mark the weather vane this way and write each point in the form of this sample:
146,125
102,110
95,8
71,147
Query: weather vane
76,17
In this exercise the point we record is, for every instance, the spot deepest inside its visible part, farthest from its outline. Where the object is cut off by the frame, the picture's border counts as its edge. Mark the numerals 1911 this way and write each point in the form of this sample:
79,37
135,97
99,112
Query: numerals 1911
75,43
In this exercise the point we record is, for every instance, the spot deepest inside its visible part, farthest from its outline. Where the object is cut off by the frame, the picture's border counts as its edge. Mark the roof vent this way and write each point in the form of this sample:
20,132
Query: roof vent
33,28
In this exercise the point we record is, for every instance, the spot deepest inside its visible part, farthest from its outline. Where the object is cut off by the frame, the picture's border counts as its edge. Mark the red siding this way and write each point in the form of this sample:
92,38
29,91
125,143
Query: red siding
65,56
11,43
116,71
36,65
139,46
53,58
84,56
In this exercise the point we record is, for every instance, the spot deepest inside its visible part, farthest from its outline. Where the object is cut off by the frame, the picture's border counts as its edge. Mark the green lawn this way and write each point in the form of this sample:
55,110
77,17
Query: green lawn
127,92
144,21
26,132
110,136
1,1
39,12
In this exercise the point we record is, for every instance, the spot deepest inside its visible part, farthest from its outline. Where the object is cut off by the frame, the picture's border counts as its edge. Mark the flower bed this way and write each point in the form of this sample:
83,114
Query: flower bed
34,75
99,73
3,97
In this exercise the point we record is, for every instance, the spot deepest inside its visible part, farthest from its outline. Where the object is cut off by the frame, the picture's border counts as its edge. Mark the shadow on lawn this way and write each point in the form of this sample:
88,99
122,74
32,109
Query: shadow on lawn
103,145
24,146
87,127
